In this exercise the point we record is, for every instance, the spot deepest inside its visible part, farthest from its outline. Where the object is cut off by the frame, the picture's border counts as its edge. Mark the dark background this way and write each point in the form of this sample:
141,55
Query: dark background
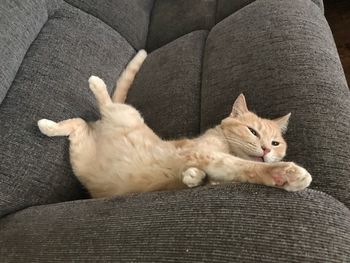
338,15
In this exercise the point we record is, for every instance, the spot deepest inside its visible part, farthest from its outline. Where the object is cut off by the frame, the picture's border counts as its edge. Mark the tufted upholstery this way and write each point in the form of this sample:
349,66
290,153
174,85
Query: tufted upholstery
203,53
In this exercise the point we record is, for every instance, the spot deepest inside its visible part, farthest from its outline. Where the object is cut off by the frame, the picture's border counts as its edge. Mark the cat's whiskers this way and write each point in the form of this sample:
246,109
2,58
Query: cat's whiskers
247,146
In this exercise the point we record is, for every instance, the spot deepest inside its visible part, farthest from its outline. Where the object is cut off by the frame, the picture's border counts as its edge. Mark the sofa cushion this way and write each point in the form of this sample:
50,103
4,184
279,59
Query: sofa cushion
228,223
52,83
129,18
167,89
285,62
228,7
172,19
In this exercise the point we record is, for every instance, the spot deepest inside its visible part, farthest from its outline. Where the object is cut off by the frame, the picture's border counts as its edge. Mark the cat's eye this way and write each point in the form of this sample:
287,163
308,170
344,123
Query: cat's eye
274,143
254,132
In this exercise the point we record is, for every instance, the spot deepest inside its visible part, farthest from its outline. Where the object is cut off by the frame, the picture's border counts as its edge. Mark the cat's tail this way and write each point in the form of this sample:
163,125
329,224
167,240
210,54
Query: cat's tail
127,77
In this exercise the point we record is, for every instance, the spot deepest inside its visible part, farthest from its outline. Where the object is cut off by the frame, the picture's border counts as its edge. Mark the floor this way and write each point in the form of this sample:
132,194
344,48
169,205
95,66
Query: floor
338,15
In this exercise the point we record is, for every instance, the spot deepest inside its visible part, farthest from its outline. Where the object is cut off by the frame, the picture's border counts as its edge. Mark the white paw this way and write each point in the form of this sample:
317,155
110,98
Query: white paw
47,127
291,177
193,177
95,83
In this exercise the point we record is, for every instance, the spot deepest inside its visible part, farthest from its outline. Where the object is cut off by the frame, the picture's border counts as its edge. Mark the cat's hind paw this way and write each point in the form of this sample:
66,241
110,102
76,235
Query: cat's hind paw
291,177
96,84
47,127
193,177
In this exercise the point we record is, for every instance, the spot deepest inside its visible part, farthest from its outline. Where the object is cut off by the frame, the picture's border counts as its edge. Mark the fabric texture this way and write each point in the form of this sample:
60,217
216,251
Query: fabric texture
169,83
320,4
20,23
171,19
284,63
228,7
129,18
231,223
52,83
174,18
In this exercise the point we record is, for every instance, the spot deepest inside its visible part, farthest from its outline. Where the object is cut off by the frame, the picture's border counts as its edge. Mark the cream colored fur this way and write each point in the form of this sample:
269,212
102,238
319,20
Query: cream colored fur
120,154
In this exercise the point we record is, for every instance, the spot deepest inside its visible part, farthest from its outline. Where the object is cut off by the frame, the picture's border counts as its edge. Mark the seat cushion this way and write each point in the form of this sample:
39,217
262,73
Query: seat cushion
129,18
167,89
228,223
284,63
52,83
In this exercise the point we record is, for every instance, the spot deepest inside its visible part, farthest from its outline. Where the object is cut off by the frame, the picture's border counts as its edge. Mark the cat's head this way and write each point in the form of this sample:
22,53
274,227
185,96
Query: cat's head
253,138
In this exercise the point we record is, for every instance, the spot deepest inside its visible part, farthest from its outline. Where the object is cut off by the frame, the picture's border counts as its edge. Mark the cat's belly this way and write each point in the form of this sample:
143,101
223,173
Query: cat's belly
125,162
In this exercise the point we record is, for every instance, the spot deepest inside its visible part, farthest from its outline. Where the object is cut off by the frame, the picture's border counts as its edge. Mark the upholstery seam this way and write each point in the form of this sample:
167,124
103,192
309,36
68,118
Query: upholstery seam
215,12
180,36
25,54
201,82
149,24
320,7
105,23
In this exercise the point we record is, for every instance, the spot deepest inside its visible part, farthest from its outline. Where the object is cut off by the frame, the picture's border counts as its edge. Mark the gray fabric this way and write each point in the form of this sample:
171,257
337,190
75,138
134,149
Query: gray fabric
20,23
52,83
228,7
285,63
174,18
129,18
320,4
232,223
167,89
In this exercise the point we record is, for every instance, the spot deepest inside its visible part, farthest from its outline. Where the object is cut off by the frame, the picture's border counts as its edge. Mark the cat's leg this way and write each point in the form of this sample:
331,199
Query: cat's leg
63,128
127,77
70,126
99,88
222,167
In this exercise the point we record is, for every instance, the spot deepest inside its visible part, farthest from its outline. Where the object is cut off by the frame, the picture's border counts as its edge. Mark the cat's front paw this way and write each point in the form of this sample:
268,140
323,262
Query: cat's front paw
47,127
193,177
291,177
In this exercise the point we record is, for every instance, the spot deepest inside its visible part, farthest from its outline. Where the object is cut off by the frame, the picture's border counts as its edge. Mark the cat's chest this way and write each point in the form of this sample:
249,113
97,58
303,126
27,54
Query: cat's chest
214,144
209,143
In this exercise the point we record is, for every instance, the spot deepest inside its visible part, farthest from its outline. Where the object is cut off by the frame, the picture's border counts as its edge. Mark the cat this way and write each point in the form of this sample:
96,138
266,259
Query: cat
120,154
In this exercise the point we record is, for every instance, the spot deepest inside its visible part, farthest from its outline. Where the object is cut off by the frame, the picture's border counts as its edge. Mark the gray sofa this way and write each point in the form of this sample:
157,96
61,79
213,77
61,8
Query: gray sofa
203,53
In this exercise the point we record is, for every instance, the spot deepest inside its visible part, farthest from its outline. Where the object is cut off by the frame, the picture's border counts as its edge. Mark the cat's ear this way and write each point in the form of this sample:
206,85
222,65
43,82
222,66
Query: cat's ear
282,122
239,106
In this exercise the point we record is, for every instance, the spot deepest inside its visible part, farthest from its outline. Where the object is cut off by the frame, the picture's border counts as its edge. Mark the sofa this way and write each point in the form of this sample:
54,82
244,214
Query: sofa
202,55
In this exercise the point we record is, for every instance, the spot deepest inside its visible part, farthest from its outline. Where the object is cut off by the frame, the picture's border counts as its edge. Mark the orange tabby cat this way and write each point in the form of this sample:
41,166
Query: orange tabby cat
120,154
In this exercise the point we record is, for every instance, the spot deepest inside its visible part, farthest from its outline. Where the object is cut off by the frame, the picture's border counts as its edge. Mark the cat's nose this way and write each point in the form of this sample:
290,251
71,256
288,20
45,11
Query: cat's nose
266,150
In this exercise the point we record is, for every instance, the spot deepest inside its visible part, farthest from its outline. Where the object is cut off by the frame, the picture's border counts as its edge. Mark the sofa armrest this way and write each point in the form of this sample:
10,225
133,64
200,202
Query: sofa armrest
282,56
227,223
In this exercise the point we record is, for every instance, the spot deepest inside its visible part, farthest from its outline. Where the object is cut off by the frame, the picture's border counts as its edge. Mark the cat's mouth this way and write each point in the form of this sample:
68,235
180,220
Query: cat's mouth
258,158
